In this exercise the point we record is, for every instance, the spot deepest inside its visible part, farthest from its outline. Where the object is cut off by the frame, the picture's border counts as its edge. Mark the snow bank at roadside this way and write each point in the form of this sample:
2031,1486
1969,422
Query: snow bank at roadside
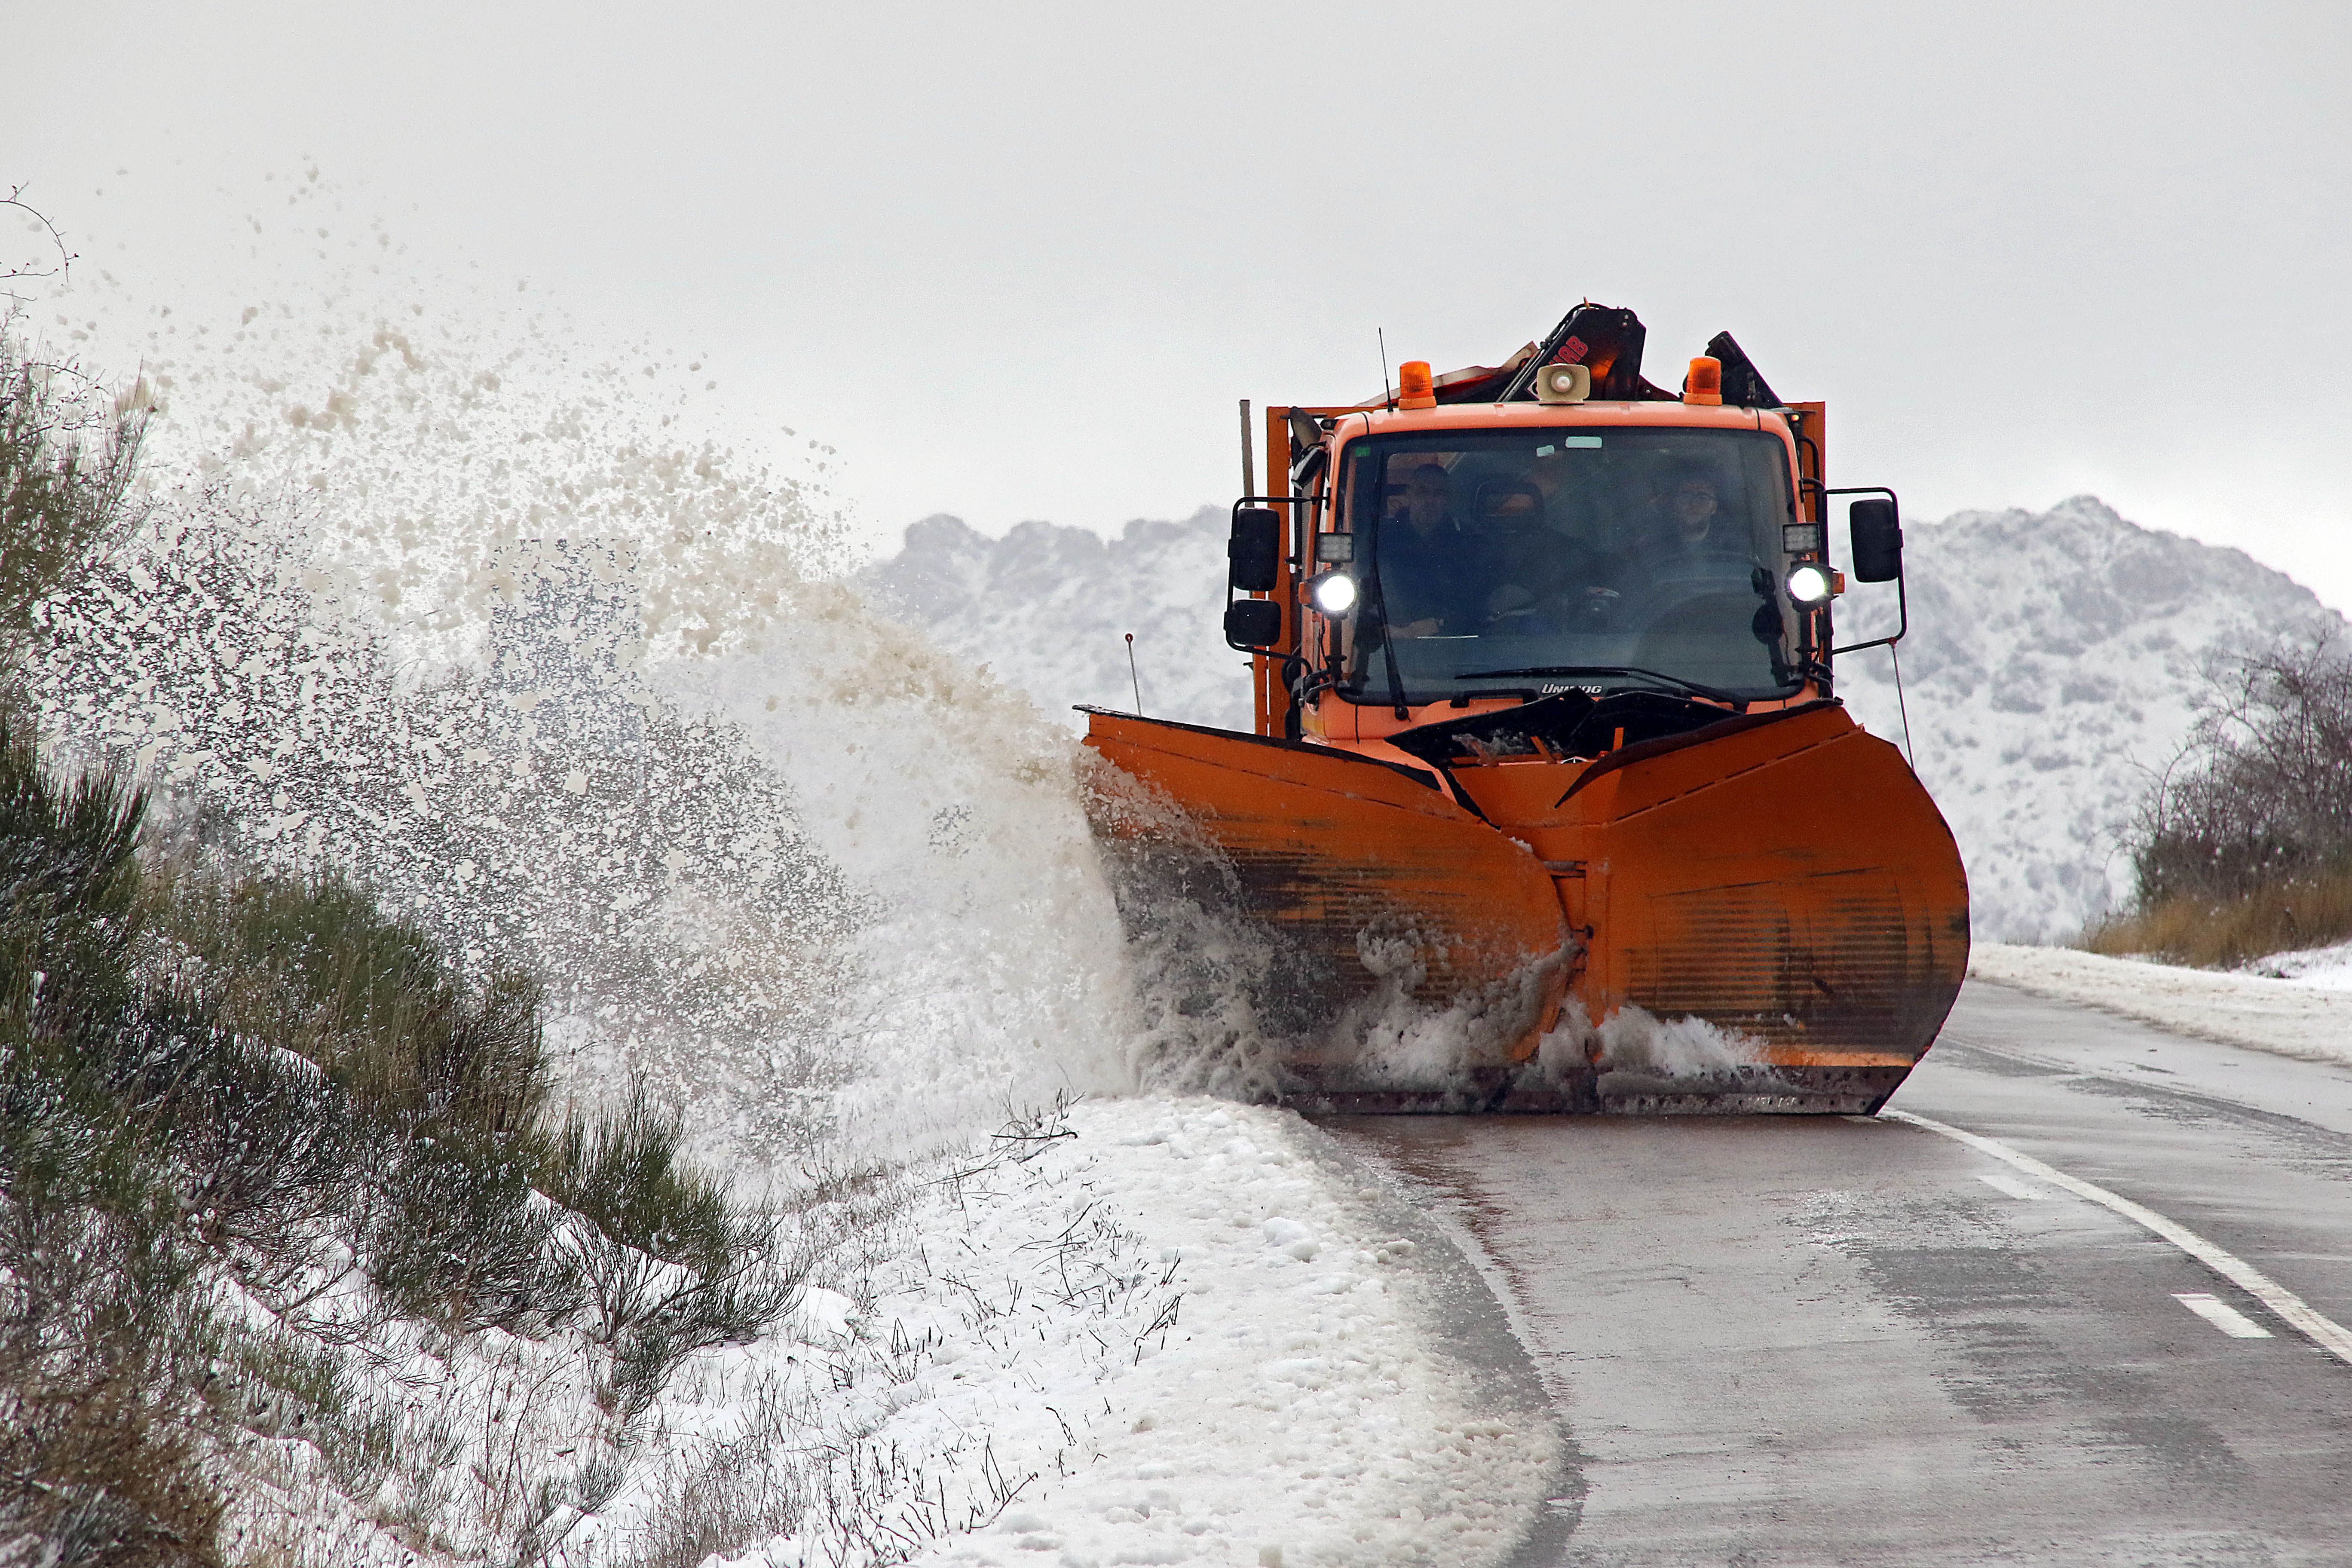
2328,968
2308,1016
1271,1391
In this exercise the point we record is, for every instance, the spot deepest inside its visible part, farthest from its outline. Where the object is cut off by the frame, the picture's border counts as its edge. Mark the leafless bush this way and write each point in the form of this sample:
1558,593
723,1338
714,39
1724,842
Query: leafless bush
2265,792
865,1500
2244,846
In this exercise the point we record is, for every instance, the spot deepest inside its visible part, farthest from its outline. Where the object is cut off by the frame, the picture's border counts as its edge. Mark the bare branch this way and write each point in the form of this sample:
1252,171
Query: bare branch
56,241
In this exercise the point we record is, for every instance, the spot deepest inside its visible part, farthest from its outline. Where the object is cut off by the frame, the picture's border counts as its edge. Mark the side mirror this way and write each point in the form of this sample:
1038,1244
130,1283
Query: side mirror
1877,541
1254,554
1253,623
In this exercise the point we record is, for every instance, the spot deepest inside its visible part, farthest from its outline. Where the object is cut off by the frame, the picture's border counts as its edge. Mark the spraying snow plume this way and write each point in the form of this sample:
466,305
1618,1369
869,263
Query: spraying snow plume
435,596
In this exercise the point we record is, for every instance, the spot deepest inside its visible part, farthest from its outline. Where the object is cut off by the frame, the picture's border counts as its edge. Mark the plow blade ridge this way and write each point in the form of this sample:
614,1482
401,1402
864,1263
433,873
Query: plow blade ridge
1371,880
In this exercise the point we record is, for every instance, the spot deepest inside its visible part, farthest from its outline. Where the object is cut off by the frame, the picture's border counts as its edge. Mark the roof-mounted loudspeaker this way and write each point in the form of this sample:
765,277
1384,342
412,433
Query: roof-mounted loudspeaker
1563,383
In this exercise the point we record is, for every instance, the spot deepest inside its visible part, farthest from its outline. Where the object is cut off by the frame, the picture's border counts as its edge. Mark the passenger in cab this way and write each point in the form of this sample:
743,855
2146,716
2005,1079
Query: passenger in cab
1692,520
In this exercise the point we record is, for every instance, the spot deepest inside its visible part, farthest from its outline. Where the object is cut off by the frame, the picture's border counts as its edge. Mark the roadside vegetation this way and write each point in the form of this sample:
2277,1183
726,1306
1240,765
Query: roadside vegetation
2244,848
254,1130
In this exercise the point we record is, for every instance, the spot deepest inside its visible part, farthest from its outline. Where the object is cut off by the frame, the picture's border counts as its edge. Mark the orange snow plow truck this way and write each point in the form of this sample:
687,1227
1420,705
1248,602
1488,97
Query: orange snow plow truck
1551,804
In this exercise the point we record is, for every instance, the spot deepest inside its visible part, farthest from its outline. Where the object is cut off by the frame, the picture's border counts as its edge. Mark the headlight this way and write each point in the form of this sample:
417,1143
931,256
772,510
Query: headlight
1334,592
1810,584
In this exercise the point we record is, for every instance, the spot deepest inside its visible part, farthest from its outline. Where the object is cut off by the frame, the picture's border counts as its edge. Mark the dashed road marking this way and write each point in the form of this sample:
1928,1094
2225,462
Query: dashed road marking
2291,1309
2000,1183
2221,1315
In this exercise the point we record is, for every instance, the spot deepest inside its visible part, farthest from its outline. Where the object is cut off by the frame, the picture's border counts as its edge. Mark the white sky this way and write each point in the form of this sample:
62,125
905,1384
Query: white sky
1019,261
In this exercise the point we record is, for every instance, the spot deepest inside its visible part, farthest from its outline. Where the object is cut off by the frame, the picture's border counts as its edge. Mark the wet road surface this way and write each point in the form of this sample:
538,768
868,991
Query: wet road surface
1782,1340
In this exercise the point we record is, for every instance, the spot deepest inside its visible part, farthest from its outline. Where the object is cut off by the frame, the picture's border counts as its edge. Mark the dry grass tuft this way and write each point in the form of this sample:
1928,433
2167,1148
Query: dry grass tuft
2229,933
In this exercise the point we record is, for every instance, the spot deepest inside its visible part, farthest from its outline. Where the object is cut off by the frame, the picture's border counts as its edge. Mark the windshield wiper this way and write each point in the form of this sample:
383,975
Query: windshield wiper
1693,687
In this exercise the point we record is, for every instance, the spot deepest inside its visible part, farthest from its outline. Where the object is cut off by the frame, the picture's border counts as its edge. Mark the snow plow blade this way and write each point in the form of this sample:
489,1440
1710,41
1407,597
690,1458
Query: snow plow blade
1759,914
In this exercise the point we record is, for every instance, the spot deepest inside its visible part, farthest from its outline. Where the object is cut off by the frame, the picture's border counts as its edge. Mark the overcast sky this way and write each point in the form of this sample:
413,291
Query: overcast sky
1019,261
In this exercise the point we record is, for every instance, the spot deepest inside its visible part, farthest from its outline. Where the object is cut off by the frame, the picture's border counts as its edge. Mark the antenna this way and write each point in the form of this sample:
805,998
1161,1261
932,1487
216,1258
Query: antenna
1385,393
1248,462
1134,680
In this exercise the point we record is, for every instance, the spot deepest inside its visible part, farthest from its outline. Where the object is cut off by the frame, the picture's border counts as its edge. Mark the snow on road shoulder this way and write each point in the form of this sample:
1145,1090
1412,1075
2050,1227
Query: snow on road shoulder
1167,1332
1302,1411
2303,1018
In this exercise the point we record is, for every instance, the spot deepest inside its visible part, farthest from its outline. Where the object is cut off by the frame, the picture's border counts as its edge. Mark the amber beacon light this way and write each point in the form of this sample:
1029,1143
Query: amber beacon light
1414,389
1705,383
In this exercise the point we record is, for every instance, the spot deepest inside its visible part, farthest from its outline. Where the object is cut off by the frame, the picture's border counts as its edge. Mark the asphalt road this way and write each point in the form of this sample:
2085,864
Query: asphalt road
1780,1341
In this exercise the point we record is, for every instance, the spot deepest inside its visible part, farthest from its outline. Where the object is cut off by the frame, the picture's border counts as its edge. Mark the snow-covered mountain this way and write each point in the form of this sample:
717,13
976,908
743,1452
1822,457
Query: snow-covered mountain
2051,667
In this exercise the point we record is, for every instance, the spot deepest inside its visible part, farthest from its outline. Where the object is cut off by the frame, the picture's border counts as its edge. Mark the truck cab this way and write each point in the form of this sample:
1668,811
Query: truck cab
1460,559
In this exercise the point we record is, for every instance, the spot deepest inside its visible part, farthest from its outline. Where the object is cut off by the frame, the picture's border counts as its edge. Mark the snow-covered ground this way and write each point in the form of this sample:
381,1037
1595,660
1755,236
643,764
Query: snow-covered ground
2329,968
1270,1390
1146,1331
2304,1009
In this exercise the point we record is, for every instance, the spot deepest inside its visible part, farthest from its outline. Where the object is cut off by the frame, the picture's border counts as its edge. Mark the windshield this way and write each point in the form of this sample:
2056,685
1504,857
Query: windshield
1544,559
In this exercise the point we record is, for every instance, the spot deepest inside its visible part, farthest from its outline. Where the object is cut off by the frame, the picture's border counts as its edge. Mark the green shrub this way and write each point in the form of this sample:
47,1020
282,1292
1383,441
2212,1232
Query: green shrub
315,967
620,1173
456,1241
652,1217
206,1074
440,1085
99,1434
209,1077
98,1429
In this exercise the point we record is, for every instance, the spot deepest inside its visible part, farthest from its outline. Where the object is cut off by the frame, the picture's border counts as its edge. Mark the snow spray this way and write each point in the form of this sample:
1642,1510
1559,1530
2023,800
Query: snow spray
437,597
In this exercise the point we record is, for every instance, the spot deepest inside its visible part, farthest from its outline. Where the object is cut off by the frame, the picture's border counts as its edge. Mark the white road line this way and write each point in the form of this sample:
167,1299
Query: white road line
2221,1315
2291,1309
1999,1182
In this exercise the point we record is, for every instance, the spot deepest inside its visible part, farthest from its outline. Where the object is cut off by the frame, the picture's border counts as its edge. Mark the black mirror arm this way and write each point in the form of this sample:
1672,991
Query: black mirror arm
1902,624
1902,598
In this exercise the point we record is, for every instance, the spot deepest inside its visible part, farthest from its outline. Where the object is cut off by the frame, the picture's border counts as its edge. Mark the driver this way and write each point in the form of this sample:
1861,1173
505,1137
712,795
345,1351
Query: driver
1428,577
1565,585
1686,540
